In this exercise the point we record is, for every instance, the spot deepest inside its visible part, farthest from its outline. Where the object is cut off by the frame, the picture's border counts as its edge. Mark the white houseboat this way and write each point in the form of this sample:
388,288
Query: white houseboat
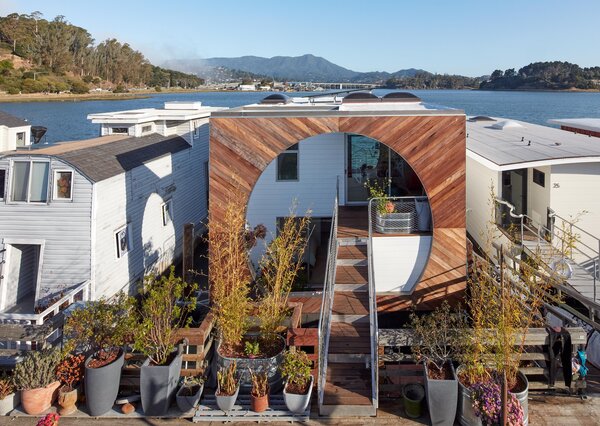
94,216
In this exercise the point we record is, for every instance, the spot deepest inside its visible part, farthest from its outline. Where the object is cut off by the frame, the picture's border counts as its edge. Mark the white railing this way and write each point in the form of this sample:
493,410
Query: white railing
79,293
327,302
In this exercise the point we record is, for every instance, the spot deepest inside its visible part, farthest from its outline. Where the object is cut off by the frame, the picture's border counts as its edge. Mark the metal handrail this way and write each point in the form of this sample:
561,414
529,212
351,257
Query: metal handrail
327,300
373,322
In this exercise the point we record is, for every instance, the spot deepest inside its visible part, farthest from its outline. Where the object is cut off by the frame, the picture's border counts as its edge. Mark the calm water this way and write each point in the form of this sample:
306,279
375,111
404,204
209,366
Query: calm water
67,120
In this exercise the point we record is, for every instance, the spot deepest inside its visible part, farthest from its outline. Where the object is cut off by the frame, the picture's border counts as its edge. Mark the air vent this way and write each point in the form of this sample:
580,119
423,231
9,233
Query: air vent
400,97
481,118
360,97
276,99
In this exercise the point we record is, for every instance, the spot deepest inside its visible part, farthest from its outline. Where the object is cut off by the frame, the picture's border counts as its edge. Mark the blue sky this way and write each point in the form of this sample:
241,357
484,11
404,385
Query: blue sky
462,36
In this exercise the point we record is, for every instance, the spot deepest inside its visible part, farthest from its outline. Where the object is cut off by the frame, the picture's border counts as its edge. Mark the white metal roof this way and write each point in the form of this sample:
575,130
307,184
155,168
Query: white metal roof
592,124
173,111
518,144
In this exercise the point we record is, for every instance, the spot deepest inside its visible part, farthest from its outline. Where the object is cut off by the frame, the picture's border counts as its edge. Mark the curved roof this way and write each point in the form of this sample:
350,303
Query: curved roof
400,97
360,97
276,98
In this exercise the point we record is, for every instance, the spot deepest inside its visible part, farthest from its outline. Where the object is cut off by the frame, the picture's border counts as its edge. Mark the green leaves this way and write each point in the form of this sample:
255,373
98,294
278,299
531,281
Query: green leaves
38,369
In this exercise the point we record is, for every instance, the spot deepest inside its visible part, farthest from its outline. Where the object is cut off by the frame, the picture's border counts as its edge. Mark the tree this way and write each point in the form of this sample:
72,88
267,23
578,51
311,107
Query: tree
497,74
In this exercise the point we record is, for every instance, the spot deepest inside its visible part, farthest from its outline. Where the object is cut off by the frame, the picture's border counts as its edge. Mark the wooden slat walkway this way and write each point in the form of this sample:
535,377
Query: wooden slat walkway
208,411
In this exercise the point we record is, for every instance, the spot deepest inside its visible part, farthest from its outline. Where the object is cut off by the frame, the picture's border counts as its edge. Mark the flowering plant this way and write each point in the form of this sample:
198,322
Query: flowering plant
70,370
487,404
50,419
376,190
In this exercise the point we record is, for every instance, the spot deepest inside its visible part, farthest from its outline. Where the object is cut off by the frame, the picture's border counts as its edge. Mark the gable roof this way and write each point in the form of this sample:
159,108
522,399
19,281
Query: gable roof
108,156
9,120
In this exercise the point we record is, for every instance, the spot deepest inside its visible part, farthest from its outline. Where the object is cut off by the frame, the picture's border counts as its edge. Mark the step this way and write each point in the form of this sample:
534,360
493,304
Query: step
350,303
351,262
349,358
349,339
354,252
352,241
347,384
352,274
361,288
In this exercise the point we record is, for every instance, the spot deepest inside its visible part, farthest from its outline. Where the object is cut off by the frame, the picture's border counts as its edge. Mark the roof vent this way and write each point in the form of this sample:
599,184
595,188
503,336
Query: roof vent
400,97
360,97
481,118
506,124
276,99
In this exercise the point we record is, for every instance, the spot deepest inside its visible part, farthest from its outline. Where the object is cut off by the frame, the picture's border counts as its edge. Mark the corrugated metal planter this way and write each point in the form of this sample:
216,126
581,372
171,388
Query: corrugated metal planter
9,403
270,366
442,397
396,223
158,384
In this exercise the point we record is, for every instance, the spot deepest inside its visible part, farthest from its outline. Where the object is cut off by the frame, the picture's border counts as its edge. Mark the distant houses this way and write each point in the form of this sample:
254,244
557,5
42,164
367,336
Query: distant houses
104,211
14,132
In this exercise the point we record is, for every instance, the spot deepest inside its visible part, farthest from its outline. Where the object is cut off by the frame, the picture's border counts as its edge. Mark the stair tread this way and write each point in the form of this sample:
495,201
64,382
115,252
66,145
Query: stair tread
352,252
352,274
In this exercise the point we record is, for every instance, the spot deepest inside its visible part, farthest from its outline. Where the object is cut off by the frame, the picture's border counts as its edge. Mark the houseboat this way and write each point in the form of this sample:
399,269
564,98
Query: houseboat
14,132
94,216
321,154
544,183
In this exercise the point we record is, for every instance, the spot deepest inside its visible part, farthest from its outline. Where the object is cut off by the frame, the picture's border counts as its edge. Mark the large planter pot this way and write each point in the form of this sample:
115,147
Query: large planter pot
298,403
397,223
102,385
412,397
36,401
187,403
442,397
10,403
226,402
158,384
270,366
466,414
67,401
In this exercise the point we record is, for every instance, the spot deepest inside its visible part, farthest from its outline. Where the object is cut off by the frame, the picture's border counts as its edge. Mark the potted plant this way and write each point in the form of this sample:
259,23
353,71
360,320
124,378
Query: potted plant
228,387
69,372
188,395
100,328
10,398
166,302
435,336
36,377
391,217
296,372
487,404
259,394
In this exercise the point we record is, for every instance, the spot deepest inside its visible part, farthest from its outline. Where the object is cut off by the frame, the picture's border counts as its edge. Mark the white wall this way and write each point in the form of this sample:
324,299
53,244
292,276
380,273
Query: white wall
573,189
479,207
8,137
321,160
399,262
538,197
136,198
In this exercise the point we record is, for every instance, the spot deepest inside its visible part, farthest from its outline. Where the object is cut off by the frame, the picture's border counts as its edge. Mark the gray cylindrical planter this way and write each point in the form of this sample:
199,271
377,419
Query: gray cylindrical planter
442,397
187,403
466,414
298,403
257,365
102,385
226,402
10,403
522,398
158,384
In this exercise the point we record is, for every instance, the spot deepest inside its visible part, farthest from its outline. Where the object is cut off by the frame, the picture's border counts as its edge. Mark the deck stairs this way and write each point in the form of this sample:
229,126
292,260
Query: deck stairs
348,382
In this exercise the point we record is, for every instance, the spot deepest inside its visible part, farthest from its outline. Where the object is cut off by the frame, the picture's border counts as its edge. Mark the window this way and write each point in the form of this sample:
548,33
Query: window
30,181
167,212
63,185
119,131
147,129
2,183
539,178
287,164
21,139
122,241
196,130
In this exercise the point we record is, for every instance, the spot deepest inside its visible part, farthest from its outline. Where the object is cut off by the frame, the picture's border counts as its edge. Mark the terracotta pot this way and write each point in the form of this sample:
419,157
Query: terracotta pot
36,401
67,401
258,404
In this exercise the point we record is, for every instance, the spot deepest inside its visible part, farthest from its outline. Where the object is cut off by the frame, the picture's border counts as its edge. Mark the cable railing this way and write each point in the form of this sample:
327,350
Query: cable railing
327,302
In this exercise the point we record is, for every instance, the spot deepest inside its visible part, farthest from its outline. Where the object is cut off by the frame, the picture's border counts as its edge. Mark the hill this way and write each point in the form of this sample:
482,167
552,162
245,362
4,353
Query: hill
286,68
56,56
554,75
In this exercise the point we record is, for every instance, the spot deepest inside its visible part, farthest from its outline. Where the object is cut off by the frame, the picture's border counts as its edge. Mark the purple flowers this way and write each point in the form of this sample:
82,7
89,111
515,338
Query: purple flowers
487,404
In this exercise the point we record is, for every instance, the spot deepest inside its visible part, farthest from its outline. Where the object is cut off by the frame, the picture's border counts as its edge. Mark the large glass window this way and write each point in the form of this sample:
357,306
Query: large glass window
30,181
287,164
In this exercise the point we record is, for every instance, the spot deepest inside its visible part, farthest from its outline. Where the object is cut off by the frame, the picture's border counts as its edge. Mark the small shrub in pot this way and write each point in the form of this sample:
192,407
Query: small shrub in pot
259,394
9,395
228,387
69,372
296,371
36,377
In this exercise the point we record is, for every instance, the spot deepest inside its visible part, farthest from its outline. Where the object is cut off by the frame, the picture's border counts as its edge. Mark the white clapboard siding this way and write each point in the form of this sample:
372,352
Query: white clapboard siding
321,161
135,198
64,226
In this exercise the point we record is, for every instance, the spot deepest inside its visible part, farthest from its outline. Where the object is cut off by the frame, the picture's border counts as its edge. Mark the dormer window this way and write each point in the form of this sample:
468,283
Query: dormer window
119,130
21,139
146,129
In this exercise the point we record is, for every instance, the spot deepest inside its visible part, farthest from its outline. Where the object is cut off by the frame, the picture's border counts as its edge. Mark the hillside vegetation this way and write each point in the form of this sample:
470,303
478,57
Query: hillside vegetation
545,76
58,56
